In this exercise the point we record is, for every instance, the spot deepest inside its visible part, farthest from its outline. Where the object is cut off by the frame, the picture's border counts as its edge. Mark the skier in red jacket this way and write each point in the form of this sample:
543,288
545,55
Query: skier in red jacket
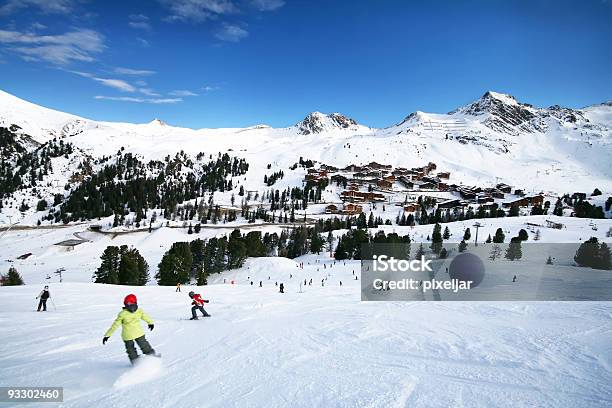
198,304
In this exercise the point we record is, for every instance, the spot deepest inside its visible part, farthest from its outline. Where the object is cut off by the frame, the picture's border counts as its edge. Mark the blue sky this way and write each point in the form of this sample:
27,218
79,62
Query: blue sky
221,63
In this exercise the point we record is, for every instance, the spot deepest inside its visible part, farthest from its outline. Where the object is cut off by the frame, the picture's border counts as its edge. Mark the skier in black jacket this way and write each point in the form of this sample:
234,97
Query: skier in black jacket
43,296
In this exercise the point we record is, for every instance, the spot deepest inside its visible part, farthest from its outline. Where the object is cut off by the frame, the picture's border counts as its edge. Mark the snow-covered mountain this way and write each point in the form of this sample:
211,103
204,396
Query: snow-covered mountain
495,138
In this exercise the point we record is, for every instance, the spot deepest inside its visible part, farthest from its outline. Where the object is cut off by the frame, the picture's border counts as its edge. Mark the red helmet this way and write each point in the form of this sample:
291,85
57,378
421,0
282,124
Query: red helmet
130,300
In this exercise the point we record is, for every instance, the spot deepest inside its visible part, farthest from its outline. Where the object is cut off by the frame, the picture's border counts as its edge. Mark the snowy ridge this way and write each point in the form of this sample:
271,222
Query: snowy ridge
495,138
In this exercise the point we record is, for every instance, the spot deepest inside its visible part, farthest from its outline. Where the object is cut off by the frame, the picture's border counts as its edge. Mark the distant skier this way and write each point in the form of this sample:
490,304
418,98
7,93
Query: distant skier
281,288
514,279
198,304
43,296
260,284
129,318
340,283
178,287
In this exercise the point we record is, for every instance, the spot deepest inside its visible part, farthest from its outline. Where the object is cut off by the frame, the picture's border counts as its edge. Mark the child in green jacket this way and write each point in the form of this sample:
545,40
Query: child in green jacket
129,318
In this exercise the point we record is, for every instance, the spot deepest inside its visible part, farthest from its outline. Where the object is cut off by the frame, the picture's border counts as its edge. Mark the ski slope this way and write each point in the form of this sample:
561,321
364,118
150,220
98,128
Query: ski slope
322,347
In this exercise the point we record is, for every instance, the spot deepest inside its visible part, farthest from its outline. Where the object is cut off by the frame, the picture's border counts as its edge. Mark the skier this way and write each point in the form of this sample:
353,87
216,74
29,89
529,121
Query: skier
198,304
340,283
178,287
129,318
282,288
514,279
260,284
43,296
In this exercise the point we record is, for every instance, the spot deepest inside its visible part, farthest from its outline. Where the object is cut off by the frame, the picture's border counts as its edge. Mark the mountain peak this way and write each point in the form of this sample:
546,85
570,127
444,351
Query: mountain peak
157,122
317,122
501,97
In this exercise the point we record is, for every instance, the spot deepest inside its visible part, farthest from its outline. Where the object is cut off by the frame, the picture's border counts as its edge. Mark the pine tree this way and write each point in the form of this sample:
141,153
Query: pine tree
522,235
443,253
499,236
13,278
604,261
128,267
175,266
514,251
420,252
467,234
488,240
495,252
108,272
462,246
436,239
588,253
447,233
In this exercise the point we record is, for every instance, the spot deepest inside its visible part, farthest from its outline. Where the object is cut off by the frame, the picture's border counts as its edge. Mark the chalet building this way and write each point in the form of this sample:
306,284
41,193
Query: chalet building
519,192
390,178
427,186
374,173
483,199
521,202
328,168
444,175
314,177
497,194
353,187
353,168
337,178
400,171
360,175
504,188
406,181
536,200
331,209
352,209
450,204
411,207
467,193
378,166
555,225
361,196
385,184
443,187
429,179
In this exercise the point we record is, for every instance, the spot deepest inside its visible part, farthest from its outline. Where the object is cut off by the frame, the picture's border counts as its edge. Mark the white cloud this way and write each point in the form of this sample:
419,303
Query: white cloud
149,92
139,100
116,83
182,92
231,33
36,26
142,42
110,82
208,88
62,49
130,71
267,5
139,21
46,6
198,11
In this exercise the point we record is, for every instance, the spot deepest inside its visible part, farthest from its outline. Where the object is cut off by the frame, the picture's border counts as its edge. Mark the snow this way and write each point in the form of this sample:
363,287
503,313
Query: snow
321,347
